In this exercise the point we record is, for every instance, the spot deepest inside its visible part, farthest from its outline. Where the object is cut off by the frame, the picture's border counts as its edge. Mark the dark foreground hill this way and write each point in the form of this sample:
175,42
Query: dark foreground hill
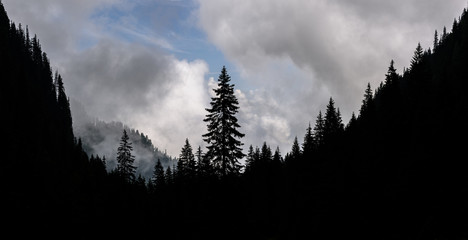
396,171
44,174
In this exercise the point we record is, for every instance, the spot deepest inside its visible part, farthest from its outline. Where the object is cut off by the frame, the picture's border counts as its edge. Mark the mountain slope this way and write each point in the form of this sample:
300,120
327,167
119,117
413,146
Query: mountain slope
102,138
44,171
399,170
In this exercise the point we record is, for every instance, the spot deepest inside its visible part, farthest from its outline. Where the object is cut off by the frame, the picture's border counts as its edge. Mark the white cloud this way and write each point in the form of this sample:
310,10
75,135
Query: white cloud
262,119
117,79
158,94
59,24
293,54
299,53
180,113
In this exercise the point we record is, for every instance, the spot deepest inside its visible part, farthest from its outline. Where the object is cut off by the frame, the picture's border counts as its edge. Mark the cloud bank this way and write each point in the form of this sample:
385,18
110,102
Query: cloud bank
120,58
120,69
300,53
153,92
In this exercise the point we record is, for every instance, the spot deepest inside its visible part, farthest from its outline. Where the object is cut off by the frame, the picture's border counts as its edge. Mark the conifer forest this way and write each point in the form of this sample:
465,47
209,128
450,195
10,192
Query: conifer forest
396,170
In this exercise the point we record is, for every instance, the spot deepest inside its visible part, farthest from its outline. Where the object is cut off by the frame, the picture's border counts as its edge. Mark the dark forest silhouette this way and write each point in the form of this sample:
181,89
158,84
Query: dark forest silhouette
396,170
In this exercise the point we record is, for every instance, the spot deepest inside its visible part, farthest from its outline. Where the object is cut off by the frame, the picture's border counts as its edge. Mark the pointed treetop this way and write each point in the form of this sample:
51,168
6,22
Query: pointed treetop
391,76
186,163
266,154
418,55
249,162
277,155
308,145
332,123
295,150
319,129
125,158
444,34
352,122
159,175
367,101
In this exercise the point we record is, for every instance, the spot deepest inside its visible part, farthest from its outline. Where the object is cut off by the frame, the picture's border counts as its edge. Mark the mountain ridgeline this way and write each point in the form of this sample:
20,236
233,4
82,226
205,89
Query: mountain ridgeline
396,170
100,138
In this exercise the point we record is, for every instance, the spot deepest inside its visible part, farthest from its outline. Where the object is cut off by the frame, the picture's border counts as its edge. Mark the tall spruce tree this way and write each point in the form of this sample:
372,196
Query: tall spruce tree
224,148
125,159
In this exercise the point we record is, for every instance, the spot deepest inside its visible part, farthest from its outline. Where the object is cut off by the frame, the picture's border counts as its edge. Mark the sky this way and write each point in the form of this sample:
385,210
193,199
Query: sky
152,64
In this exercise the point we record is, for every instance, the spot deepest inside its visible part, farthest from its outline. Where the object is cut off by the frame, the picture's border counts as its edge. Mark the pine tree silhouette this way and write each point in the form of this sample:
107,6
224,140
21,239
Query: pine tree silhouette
186,165
308,146
277,159
295,153
319,130
249,162
332,123
436,41
417,56
224,148
392,76
125,159
367,102
159,176
266,154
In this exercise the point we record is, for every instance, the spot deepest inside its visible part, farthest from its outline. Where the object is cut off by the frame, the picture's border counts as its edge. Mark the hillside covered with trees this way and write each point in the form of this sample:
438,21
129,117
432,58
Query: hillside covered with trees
100,138
396,170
